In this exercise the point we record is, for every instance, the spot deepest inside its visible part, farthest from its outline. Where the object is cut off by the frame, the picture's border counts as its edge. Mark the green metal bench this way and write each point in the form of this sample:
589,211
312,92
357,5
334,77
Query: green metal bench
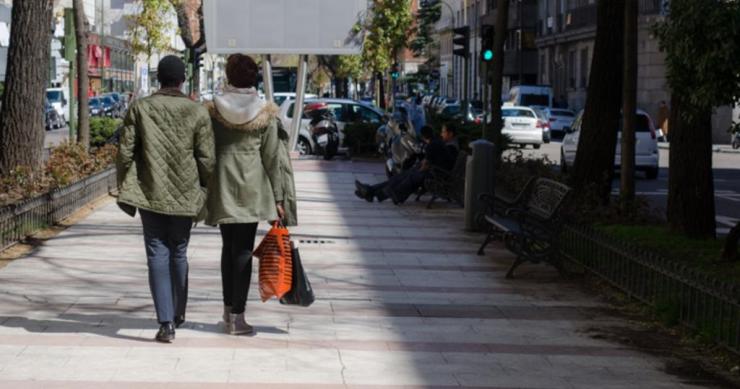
530,224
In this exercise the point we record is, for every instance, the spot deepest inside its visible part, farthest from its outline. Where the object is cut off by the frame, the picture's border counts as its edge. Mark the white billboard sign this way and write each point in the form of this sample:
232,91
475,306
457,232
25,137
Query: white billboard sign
320,27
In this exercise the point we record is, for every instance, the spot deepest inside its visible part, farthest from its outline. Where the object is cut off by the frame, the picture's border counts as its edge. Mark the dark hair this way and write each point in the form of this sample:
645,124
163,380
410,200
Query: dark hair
171,71
241,71
427,132
451,127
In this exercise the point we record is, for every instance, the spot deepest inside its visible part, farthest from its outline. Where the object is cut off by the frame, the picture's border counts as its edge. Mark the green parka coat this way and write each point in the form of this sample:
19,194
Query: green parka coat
251,173
165,155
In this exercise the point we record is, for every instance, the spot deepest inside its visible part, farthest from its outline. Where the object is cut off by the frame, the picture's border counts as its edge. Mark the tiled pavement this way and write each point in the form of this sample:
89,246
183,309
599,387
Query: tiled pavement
402,302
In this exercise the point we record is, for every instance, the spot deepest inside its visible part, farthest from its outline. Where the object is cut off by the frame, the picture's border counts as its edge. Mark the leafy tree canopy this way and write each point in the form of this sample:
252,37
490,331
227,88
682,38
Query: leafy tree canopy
700,38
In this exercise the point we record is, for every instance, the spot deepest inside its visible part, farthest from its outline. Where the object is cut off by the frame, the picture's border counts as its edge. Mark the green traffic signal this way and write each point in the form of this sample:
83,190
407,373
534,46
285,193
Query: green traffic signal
487,55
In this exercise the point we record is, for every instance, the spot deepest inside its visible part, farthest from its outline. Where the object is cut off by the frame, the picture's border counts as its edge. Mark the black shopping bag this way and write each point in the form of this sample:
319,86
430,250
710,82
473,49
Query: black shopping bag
300,292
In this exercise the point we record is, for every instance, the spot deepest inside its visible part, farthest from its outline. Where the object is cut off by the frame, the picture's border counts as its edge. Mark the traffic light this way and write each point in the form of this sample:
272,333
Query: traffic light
486,49
461,37
395,71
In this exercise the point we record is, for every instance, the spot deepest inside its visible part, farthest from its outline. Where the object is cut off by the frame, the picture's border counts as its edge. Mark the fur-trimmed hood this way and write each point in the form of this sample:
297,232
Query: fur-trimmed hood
244,112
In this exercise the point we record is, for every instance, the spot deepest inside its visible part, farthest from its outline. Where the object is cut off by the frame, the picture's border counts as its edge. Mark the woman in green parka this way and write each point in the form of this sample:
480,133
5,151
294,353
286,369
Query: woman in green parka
252,181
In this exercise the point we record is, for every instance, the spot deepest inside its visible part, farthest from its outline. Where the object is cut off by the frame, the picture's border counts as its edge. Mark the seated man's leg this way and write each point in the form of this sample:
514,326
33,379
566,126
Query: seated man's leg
400,190
369,192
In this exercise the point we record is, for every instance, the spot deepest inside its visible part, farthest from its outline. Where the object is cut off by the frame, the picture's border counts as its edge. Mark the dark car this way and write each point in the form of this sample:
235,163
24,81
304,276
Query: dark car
120,102
96,107
109,106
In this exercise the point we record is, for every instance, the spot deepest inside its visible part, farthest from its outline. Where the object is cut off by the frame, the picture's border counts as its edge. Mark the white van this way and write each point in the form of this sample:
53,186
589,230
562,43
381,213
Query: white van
528,95
58,99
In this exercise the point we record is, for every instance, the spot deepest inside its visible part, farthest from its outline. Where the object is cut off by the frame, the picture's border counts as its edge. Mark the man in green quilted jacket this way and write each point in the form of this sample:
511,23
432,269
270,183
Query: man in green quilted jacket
165,159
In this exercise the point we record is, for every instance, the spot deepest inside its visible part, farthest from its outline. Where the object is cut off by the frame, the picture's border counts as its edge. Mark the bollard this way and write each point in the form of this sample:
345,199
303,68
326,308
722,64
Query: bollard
479,179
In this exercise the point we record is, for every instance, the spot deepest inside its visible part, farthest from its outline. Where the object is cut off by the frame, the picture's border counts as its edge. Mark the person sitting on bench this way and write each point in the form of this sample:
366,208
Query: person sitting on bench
440,153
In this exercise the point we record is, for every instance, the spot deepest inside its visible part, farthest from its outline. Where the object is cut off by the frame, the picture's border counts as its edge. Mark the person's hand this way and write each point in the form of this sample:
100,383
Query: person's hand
280,210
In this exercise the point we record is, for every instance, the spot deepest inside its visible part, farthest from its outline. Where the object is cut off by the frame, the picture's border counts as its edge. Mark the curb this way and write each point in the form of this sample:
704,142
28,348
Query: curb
715,148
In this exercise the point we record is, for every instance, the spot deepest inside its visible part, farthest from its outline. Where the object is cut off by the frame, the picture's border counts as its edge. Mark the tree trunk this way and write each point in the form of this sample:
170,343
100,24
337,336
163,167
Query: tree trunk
22,127
190,21
691,208
381,94
83,113
594,164
497,71
629,95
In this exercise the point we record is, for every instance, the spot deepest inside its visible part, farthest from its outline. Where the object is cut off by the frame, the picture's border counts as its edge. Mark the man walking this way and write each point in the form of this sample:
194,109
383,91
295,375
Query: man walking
165,159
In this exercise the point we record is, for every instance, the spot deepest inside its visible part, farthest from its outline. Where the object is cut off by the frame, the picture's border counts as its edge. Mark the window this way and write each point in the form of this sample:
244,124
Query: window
364,115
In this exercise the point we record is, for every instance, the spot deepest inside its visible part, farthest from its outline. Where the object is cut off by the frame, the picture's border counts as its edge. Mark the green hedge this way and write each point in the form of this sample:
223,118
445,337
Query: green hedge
102,128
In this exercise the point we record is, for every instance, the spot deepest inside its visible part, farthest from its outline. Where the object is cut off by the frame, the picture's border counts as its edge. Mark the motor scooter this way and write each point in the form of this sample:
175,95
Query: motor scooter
398,141
324,130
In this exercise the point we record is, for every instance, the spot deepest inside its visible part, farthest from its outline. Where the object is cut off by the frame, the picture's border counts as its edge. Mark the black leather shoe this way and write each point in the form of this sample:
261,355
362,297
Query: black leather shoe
166,333
179,320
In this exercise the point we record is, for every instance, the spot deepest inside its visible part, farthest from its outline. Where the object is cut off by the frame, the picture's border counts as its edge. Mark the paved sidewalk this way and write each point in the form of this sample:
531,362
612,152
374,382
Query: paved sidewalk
402,302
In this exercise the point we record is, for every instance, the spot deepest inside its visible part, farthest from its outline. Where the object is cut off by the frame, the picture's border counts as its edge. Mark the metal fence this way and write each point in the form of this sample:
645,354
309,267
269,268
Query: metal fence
676,292
19,220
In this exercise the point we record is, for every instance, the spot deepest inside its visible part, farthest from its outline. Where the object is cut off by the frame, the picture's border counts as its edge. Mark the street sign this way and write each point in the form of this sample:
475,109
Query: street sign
320,27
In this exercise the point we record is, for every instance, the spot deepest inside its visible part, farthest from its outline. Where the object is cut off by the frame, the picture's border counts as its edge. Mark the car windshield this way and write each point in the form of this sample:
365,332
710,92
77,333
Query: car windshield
95,103
556,112
108,100
529,100
451,110
54,95
115,97
540,113
279,99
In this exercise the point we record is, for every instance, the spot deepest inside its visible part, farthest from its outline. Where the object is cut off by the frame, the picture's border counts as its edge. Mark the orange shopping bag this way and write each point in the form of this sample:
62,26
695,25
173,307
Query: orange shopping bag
276,265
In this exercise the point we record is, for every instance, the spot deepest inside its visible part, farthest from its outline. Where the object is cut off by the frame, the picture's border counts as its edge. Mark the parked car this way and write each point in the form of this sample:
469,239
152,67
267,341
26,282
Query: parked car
119,103
58,100
110,108
560,119
344,110
526,126
102,106
52,119
646,145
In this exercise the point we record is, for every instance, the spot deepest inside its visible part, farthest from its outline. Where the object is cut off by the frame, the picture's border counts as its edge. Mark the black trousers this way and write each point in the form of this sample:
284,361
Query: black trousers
236,263
400,186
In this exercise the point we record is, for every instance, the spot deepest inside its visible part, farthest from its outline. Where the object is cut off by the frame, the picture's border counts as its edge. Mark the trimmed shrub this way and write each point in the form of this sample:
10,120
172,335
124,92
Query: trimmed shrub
101,129
67,163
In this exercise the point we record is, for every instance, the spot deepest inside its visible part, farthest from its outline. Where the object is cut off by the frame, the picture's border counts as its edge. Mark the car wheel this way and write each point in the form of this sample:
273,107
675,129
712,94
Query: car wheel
563,164
536,147
303,147
652,173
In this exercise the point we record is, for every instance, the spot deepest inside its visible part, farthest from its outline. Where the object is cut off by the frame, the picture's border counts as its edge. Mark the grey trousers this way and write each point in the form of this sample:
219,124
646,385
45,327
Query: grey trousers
166,240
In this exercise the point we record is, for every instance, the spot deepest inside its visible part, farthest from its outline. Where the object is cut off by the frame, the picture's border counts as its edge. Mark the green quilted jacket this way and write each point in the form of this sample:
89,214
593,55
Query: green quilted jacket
165,156
250,175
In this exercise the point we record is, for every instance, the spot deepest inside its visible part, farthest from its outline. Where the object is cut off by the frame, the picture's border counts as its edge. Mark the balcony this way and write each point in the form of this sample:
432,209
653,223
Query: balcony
581,17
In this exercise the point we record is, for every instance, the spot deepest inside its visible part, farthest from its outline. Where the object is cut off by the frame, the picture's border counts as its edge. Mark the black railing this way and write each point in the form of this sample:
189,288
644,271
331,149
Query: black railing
20,220
677,292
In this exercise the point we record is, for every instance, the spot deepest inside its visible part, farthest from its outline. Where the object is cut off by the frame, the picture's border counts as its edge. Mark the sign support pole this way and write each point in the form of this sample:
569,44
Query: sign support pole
267,78
300,91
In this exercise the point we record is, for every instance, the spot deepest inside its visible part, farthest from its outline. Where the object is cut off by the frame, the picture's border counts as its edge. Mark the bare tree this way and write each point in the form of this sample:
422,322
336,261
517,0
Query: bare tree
83,79
22,118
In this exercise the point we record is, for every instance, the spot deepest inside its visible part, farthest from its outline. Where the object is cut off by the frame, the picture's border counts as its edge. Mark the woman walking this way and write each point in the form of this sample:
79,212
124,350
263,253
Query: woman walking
249,184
